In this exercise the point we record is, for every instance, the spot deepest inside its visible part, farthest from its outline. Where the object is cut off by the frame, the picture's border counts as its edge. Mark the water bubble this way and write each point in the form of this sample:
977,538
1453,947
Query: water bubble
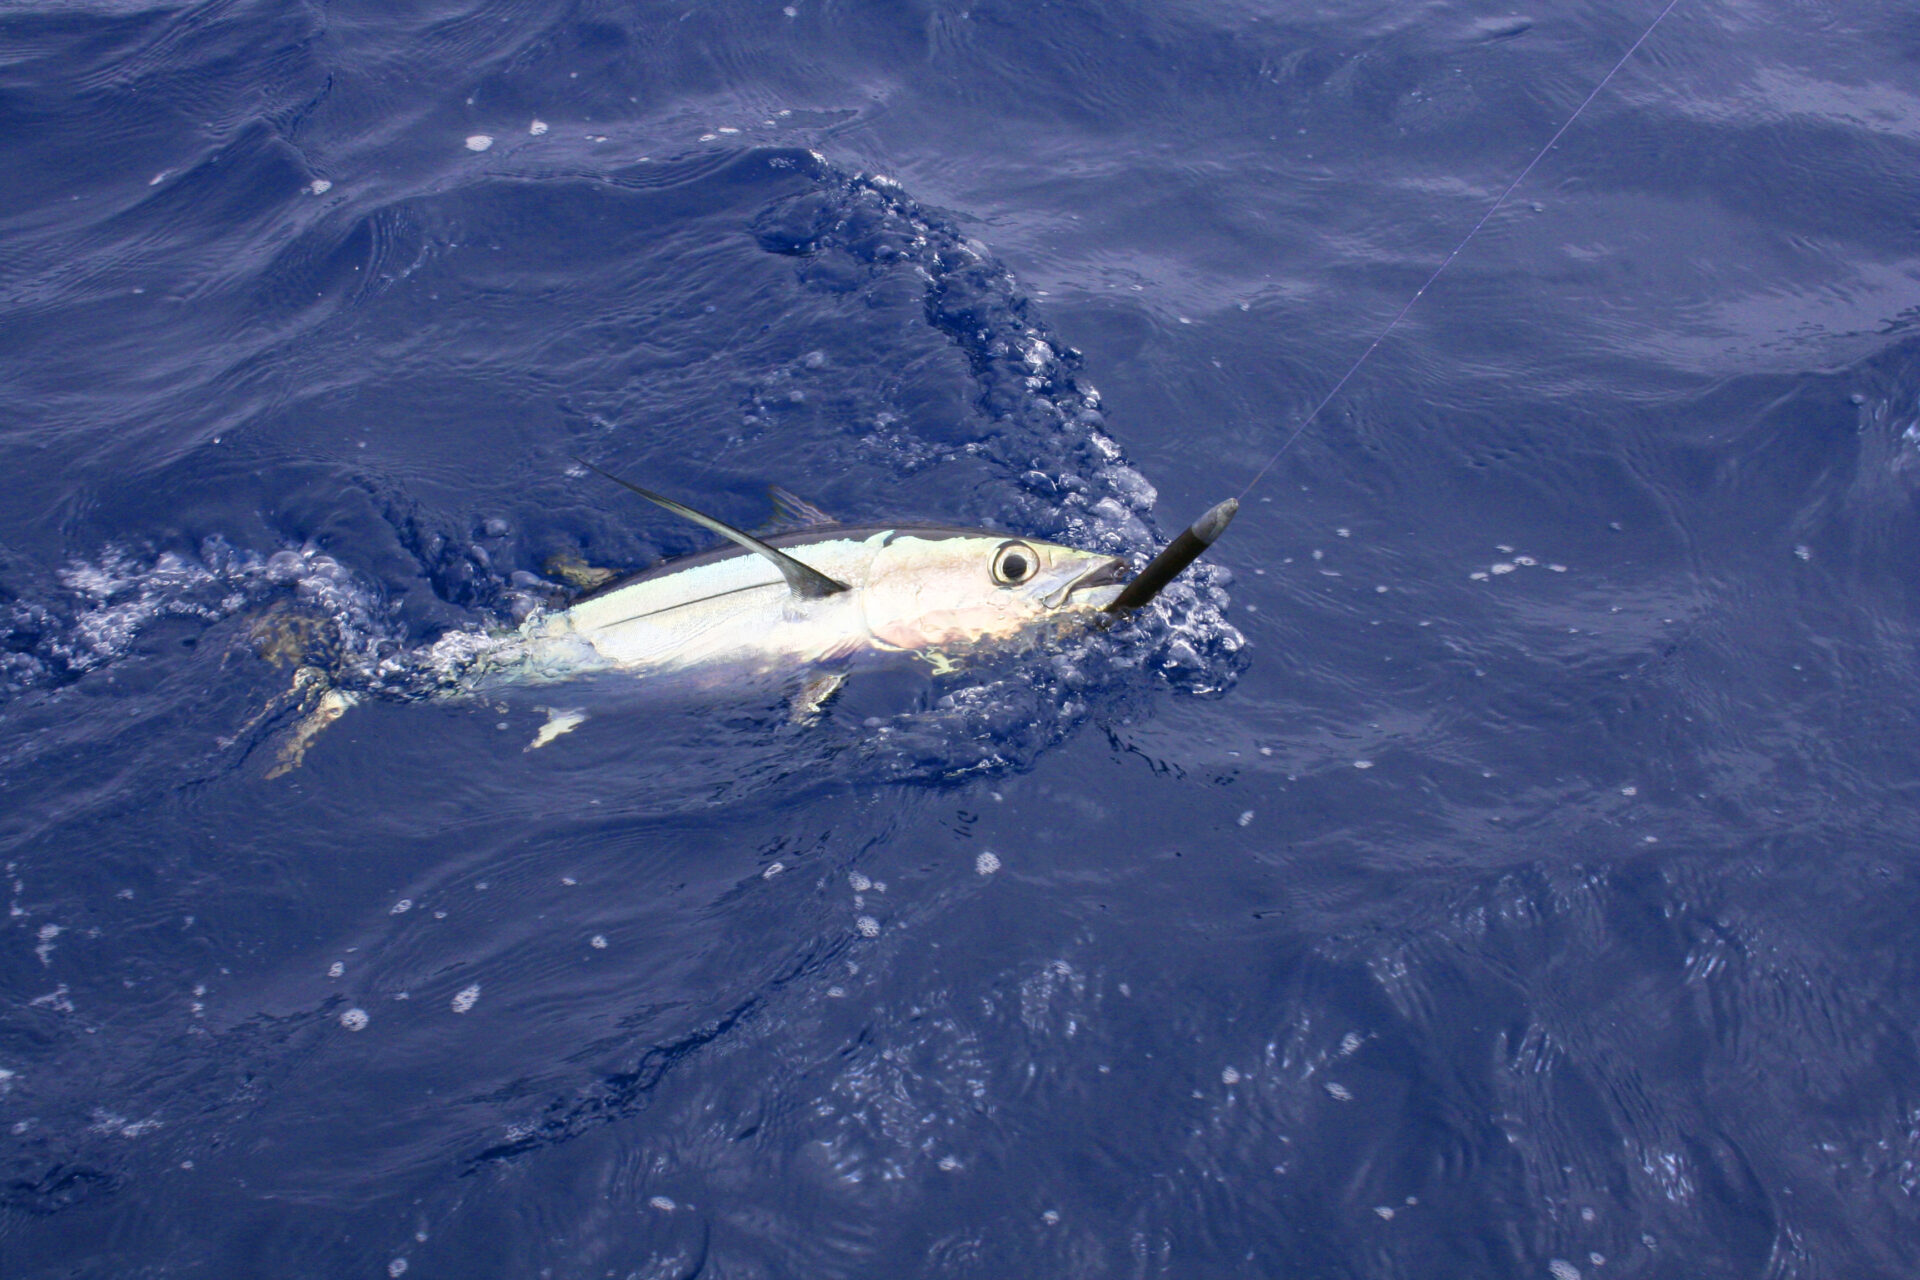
1561,1269
466,998
1229,1075
987,862
537,128
598,942
355,1019
867,927
479,142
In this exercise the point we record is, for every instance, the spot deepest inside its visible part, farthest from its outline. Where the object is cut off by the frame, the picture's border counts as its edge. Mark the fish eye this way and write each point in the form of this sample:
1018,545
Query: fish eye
1014,563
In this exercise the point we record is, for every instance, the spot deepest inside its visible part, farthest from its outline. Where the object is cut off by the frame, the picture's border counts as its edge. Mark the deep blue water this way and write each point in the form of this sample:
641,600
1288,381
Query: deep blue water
1500,859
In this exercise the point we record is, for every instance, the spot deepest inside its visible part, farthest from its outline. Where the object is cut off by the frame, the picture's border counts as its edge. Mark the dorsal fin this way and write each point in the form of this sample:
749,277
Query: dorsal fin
795,512
803,580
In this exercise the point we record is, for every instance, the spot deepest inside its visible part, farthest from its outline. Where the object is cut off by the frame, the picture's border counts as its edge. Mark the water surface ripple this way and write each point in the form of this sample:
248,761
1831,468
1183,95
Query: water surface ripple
1499,860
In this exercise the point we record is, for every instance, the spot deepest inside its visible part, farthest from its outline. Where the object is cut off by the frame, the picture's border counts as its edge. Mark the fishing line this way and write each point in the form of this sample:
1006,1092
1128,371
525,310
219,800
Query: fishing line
1492,209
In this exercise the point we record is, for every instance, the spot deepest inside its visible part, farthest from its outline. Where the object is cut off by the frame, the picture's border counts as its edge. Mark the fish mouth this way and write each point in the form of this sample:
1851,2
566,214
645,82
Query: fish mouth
1108,573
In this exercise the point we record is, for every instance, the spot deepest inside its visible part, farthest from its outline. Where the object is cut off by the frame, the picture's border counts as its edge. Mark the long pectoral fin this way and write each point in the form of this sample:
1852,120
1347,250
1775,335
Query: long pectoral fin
803,580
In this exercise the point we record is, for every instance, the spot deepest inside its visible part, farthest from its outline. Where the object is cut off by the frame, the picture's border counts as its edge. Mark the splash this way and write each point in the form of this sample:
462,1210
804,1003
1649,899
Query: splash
1059,473
1040,459
102,606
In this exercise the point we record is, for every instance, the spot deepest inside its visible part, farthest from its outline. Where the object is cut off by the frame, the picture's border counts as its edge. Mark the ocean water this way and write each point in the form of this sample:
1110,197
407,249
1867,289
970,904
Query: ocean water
1499,858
